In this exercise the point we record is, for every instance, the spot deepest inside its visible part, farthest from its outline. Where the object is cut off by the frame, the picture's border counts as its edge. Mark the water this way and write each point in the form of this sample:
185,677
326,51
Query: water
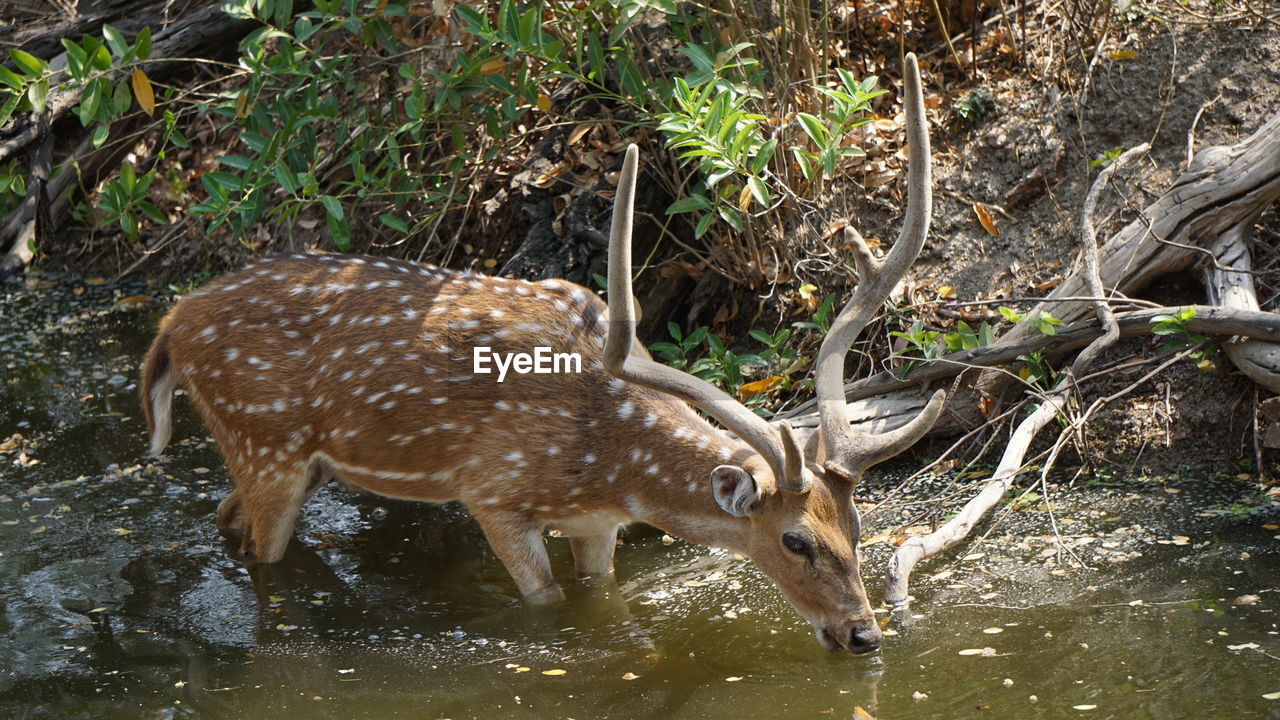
118,599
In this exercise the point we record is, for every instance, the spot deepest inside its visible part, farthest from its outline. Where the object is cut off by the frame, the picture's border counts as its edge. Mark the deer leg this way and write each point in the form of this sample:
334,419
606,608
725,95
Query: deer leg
270,508
593,554
517,541
230,515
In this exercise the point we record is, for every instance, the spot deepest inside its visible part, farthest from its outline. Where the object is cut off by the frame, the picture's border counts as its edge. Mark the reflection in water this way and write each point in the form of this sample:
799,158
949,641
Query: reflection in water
119,600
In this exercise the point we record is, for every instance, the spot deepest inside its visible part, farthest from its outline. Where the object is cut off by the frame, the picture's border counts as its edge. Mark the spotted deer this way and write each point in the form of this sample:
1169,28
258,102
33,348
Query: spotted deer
308,367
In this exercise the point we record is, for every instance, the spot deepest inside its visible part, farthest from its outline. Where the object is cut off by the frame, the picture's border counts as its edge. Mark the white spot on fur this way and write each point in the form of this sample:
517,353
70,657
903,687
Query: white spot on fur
625,409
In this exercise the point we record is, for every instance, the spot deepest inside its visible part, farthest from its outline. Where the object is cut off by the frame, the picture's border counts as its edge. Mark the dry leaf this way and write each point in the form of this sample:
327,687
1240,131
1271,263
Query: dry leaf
984,218
746,390
860,714
579,132
493,67
544,102
744,198
1124,55
882,177
131,302
143,92
555,672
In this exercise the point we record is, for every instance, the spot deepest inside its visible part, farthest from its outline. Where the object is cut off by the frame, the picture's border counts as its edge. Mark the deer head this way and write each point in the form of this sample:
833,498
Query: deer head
803,526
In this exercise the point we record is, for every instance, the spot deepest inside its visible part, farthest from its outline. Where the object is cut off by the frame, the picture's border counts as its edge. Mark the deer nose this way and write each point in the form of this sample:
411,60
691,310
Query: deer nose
864,638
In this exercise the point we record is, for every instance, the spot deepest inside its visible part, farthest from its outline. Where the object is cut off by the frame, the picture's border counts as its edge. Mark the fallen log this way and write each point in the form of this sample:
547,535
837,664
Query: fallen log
1223,187
1229,283
878,399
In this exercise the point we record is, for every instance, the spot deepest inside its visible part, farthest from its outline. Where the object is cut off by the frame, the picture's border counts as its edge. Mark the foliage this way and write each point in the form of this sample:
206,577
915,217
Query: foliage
713,124
780,359
125,196
1107,157
677,354
821,322
13,186
1176,324
1037,370
965,338
1043,321
973,107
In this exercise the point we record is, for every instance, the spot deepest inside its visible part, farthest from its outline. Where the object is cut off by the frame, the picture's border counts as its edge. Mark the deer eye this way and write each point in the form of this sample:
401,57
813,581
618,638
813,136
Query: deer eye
795,544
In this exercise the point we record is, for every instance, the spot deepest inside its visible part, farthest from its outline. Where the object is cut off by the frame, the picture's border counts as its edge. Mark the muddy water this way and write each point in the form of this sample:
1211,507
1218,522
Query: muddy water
118,599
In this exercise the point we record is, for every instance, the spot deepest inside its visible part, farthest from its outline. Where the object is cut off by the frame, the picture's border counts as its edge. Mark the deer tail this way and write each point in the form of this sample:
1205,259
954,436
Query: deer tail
158,384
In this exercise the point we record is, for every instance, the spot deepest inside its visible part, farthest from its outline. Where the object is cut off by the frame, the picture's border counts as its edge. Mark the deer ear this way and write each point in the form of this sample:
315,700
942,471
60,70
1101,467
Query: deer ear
735,490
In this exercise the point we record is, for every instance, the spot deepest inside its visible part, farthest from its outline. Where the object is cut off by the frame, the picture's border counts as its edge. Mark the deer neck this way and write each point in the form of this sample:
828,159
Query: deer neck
665,477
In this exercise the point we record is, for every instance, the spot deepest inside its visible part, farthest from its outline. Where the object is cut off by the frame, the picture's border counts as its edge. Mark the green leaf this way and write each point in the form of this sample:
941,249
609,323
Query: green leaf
283,12
38,93
76,59
758,191
829,162
142,44
691,203
153,212
700,57
97,53
339,230
225,180
7,109
1009,314
10,78
30,63
813,128
732,217
763,156
100,134
286,178
805,159
214,190
704,224
121,99
117,42
332,205
239,162
393,222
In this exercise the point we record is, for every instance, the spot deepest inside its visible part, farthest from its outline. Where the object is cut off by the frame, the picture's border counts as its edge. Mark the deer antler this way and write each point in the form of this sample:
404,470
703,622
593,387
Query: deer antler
636,367
849,452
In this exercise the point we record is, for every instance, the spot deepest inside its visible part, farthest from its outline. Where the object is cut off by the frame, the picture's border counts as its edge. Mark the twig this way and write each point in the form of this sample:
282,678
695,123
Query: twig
1089,253
164,240
1191,134
915,549
898,573
942,25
